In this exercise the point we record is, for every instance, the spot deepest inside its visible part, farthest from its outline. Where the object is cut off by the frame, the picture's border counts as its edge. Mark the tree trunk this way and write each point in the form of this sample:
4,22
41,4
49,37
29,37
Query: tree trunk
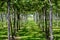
50,14
2,19
11,26
50,28
8,18
18,21
36,17
57,19
46,27
14,24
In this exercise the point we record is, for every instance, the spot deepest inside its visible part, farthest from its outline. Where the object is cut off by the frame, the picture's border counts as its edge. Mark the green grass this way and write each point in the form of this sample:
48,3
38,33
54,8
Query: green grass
29,31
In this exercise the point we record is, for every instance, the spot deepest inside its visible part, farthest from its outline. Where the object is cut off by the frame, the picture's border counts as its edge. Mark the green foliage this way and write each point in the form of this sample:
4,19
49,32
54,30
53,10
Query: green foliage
31,30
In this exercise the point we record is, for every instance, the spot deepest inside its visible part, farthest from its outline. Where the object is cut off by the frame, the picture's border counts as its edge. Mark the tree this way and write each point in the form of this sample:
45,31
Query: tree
8,4
50,18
